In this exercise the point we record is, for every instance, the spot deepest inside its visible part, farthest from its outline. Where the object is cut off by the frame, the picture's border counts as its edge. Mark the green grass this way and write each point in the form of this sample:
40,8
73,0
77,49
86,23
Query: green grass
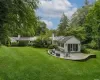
25,63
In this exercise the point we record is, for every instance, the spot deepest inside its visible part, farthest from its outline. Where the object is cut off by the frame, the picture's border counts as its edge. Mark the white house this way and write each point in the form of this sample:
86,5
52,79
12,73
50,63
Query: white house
19,38
67,44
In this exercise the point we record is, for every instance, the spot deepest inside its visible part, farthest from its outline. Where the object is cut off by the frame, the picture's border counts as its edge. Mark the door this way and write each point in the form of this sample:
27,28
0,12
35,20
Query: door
75,47
69,47
72,47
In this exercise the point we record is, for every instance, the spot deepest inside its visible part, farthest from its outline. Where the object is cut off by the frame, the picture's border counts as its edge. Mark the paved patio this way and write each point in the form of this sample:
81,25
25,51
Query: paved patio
73,56
80,56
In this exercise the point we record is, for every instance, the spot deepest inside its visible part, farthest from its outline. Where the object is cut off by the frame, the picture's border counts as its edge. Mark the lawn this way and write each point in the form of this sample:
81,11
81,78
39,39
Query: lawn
26,63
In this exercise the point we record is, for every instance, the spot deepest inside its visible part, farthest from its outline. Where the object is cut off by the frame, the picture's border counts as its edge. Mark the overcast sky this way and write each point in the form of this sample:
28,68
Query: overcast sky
51,11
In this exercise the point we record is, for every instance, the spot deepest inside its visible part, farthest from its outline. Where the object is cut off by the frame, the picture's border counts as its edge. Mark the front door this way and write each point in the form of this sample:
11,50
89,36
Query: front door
72,47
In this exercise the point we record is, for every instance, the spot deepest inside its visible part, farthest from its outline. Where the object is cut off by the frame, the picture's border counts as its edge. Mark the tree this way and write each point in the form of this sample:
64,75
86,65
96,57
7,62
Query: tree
86,2
3,17
78,32
78,18
44,39
64,24
41,28
78,23
17,16
93,24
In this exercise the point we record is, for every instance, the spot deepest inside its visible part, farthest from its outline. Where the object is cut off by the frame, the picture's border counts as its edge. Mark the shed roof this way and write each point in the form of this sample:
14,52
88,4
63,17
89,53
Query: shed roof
63,39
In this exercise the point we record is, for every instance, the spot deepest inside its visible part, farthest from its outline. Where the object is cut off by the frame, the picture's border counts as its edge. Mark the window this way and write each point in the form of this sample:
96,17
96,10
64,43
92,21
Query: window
57,54
71,49
58,44
62,44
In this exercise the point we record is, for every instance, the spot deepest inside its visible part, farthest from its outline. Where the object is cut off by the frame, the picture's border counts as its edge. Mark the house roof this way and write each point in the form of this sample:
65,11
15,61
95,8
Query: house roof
66,39
13,39
58,38
63,39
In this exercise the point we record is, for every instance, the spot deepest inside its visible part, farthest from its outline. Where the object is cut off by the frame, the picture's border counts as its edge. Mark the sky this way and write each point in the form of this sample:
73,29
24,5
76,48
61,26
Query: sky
51,11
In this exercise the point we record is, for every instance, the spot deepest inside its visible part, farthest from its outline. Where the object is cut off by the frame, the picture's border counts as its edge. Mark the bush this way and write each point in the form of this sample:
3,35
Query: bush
23,43
30,44
53,47
14,44
84,49
0,44
38,43
41,43
8,44
92,45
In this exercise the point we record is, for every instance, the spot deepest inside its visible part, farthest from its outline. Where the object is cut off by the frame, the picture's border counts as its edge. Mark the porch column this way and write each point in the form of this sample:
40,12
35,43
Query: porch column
79,47
66,47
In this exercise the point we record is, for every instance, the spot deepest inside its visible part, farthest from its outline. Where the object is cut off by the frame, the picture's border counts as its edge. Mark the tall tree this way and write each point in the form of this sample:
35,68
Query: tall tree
78,32
64,24
92,24
78,18
17,16
41,28
3,19
86,2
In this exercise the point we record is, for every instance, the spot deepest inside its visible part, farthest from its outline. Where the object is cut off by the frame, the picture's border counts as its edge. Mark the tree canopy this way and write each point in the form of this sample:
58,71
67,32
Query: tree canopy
78,18
92,24
17,17
85,24
63,26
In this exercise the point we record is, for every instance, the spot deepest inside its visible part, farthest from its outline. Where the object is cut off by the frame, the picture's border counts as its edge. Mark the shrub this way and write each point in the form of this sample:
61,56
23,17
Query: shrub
38,43
30,43
47,43
53,47
14,44
84,49
92,45
8,44
0,44
23,43
41,43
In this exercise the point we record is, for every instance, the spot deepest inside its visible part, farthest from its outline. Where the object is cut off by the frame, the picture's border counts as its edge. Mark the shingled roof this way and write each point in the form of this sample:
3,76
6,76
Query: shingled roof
63,39
15,39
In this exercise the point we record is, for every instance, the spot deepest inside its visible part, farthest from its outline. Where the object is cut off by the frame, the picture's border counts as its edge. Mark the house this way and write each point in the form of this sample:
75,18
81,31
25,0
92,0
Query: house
67,44
19,38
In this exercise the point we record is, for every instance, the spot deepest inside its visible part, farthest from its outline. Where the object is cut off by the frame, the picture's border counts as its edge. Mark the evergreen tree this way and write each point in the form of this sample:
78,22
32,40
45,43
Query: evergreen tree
86,2
78,18
63,26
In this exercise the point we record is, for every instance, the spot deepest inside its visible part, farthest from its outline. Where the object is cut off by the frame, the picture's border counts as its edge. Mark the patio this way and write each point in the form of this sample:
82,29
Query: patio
80,56
72,56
